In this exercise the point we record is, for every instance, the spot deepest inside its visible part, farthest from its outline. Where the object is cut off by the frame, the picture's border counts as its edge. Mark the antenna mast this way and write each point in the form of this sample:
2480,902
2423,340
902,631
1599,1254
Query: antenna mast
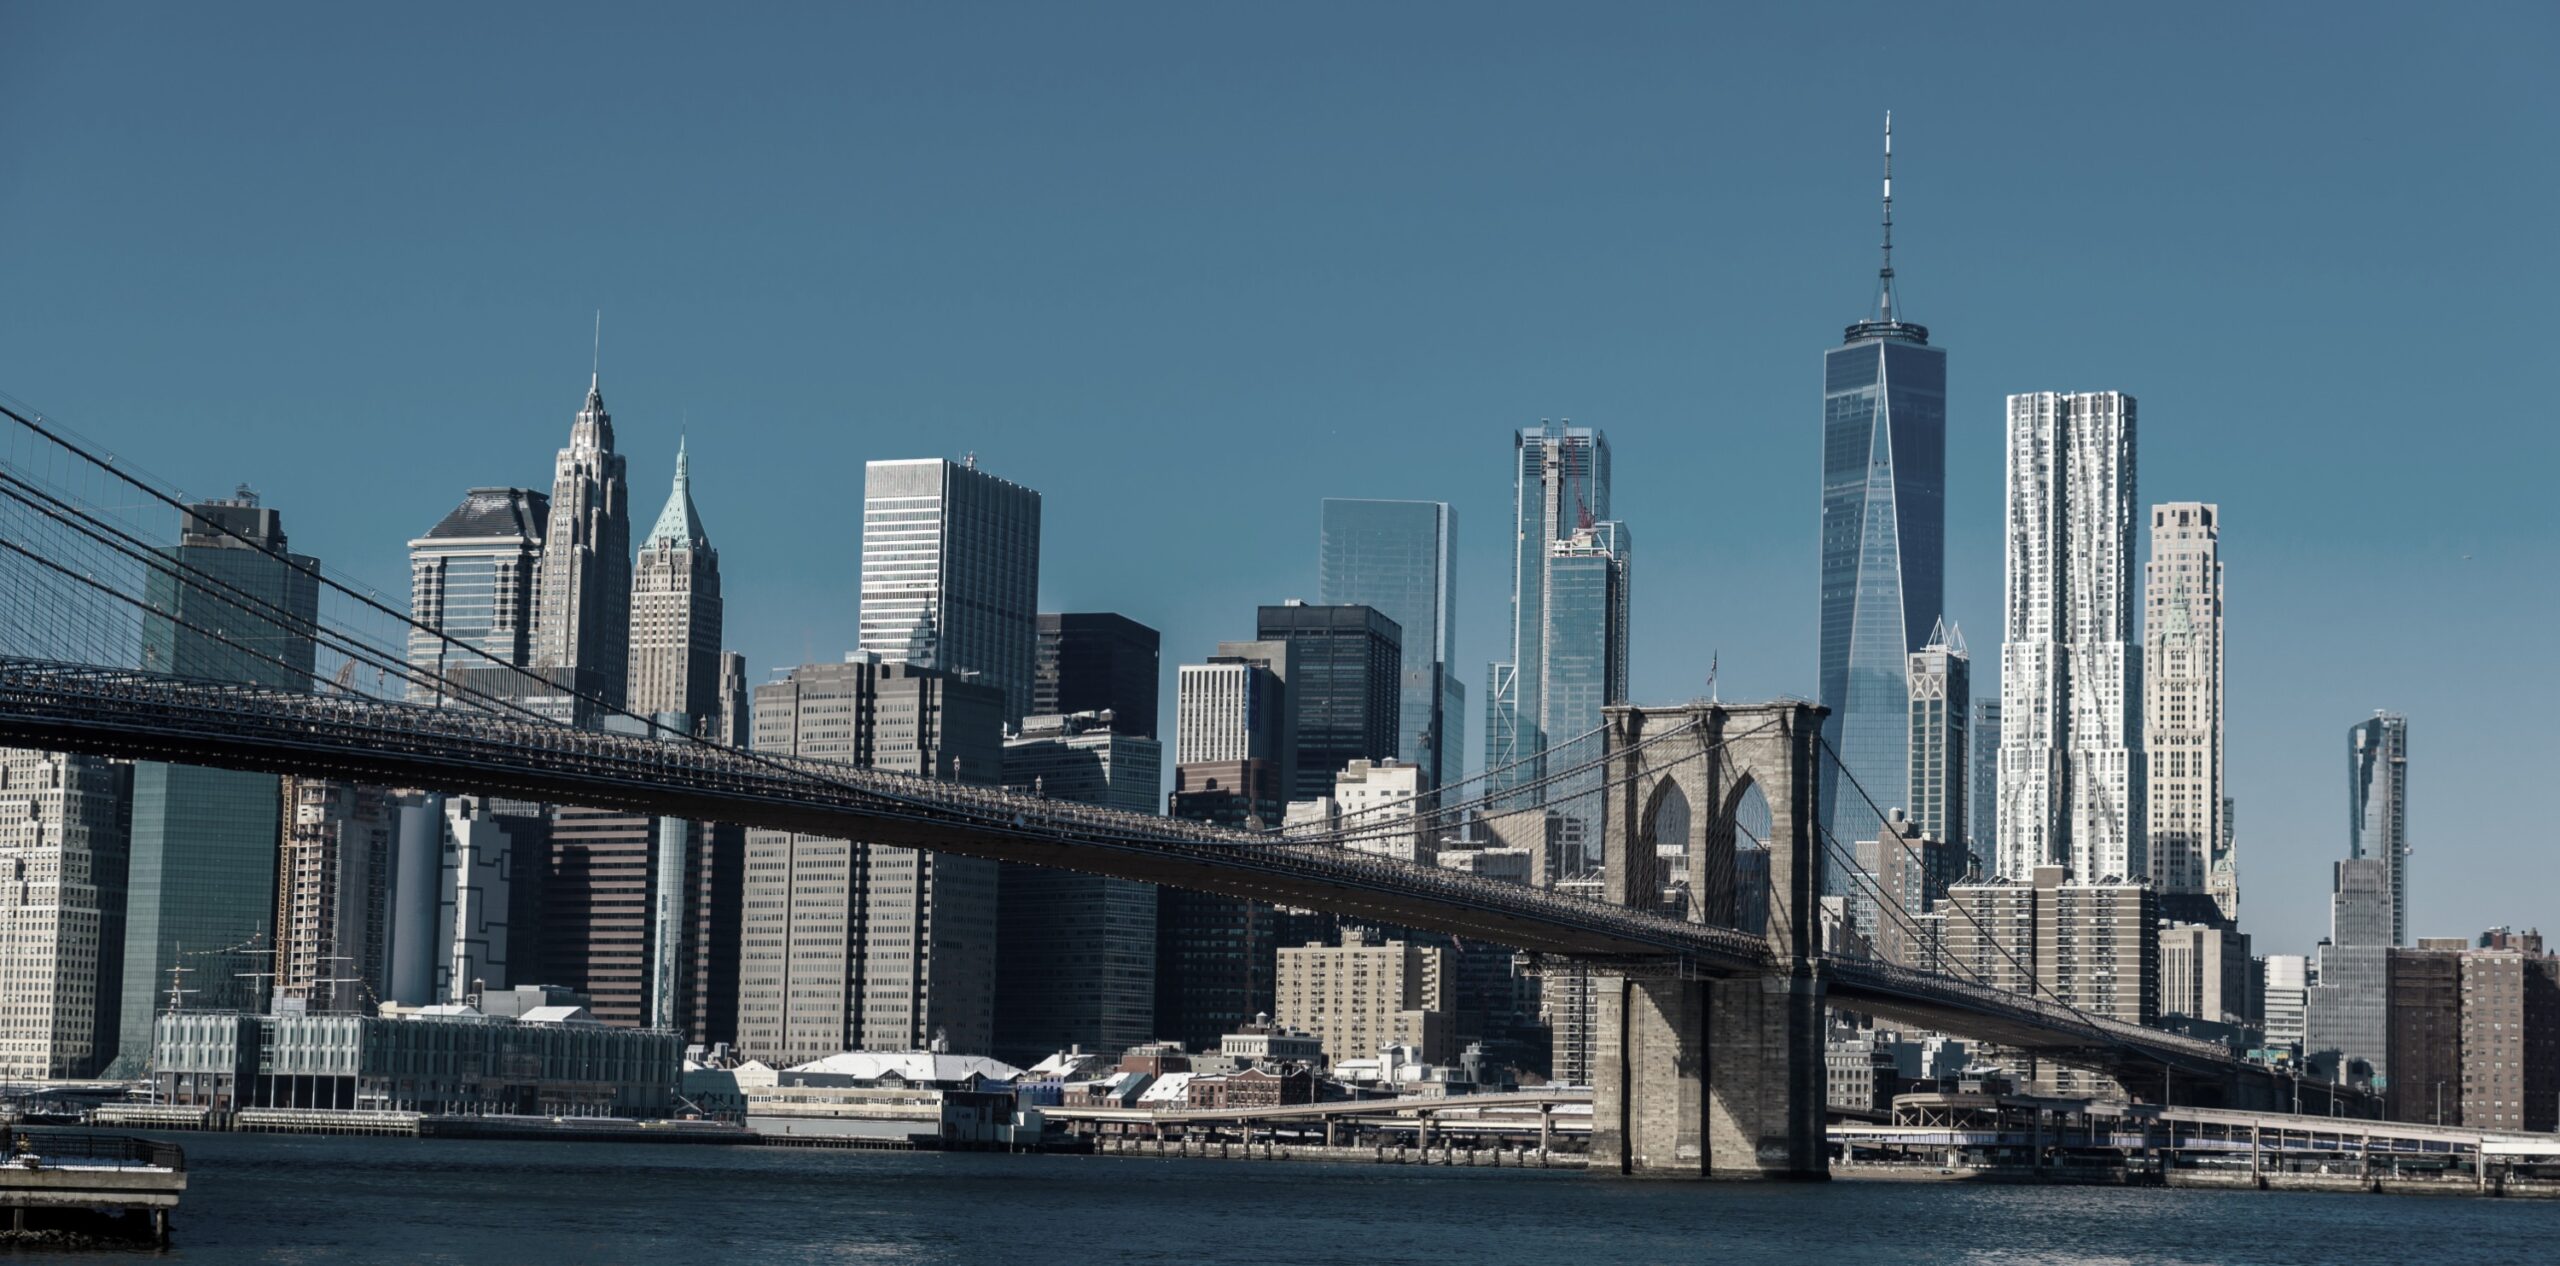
1884,302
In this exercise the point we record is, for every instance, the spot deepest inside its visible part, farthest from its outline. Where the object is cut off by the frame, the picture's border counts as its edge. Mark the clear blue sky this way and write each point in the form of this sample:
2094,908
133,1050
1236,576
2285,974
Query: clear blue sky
1187,269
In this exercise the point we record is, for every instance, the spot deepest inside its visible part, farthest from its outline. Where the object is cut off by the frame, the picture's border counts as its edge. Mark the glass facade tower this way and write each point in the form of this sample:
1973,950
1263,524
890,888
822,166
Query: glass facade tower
1401,557
1560,486
2378,806
201,893
1884,476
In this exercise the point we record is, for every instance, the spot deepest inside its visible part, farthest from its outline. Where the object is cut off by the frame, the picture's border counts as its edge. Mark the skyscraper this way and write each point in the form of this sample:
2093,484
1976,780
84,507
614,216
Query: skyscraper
866,946
951,573
1582,654
1345,688
1884,474
675,614
64,831
1097,661
2347,1016
2182,705
202,886
582,621
1401,557
1941,690
2378,806
333,895
1560,485
2071,785
473,581
1982,808
1076,952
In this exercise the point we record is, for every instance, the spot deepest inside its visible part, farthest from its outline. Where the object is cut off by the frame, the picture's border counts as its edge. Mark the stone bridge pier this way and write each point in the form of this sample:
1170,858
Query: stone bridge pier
1699,1077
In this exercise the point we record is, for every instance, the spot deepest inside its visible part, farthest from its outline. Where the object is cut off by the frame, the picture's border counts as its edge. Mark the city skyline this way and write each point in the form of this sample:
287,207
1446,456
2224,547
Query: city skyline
1706,562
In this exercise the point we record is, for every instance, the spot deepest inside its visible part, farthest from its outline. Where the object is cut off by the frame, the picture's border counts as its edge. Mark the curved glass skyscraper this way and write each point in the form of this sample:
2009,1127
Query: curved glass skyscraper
1884,464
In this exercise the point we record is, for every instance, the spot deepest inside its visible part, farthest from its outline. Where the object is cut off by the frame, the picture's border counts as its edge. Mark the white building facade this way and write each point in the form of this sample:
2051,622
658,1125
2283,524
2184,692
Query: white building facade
2071,770
2182,705
951,573
65,828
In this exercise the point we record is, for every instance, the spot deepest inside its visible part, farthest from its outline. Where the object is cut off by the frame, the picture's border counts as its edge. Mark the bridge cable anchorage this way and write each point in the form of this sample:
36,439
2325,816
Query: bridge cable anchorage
2035,985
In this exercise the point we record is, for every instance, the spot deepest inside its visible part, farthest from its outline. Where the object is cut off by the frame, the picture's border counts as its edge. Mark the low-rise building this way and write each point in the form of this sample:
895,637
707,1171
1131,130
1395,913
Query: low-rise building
1253,1088
440,1060
1264,1044
919,1097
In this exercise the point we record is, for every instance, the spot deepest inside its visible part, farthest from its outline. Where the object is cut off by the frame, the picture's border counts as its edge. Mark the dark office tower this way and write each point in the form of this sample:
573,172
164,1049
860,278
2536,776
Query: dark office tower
203,879
1097,661
1401,557
1884,461
597,898
1345,687
736,726
1075,953
675,615
582,620
2378,806
1560,487
707,992
1217,965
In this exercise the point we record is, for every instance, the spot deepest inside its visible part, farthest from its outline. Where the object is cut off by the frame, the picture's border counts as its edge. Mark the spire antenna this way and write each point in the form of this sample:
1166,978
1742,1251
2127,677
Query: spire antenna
1884,299
595,373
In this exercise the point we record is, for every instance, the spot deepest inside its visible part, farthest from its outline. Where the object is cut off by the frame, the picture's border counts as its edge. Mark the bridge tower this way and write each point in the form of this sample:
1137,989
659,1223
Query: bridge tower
1700,1077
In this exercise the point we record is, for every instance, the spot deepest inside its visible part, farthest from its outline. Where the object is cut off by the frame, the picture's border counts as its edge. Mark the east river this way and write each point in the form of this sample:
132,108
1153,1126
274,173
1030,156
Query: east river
268,1199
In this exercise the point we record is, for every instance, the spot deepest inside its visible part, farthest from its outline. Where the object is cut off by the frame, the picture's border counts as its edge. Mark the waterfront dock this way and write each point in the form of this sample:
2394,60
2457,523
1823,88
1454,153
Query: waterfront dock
71,1185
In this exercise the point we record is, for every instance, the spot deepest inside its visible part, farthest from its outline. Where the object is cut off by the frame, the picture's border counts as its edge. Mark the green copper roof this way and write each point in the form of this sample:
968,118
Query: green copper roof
679,522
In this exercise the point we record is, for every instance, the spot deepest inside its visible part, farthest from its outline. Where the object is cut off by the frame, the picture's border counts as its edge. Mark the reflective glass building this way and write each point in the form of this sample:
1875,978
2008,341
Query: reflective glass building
1401,557
2378,806
1884,468
1561,485
202,888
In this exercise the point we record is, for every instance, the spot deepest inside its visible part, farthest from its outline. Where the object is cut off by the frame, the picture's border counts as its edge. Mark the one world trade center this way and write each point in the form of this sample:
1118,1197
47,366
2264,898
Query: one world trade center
1884,462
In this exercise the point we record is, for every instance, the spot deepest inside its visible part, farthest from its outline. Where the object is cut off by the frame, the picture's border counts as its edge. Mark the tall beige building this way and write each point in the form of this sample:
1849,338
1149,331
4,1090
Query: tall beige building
675,615
2089,946
333,884
1360,997
2182,705
65,833
582,592
851,946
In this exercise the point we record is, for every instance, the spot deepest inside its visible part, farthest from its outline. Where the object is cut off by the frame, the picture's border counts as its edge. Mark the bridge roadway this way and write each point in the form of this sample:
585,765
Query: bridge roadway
145,716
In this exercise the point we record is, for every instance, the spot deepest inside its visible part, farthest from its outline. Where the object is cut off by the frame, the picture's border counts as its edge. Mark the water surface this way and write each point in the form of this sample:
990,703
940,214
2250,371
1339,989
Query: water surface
258,1198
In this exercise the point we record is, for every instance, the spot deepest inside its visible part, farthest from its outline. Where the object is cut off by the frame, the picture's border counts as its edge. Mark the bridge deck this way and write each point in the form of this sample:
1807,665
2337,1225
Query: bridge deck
147,716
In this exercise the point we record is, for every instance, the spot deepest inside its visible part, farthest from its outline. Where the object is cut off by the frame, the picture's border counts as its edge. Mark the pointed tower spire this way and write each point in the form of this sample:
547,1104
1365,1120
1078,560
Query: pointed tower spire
595,371
1884,277
679,522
